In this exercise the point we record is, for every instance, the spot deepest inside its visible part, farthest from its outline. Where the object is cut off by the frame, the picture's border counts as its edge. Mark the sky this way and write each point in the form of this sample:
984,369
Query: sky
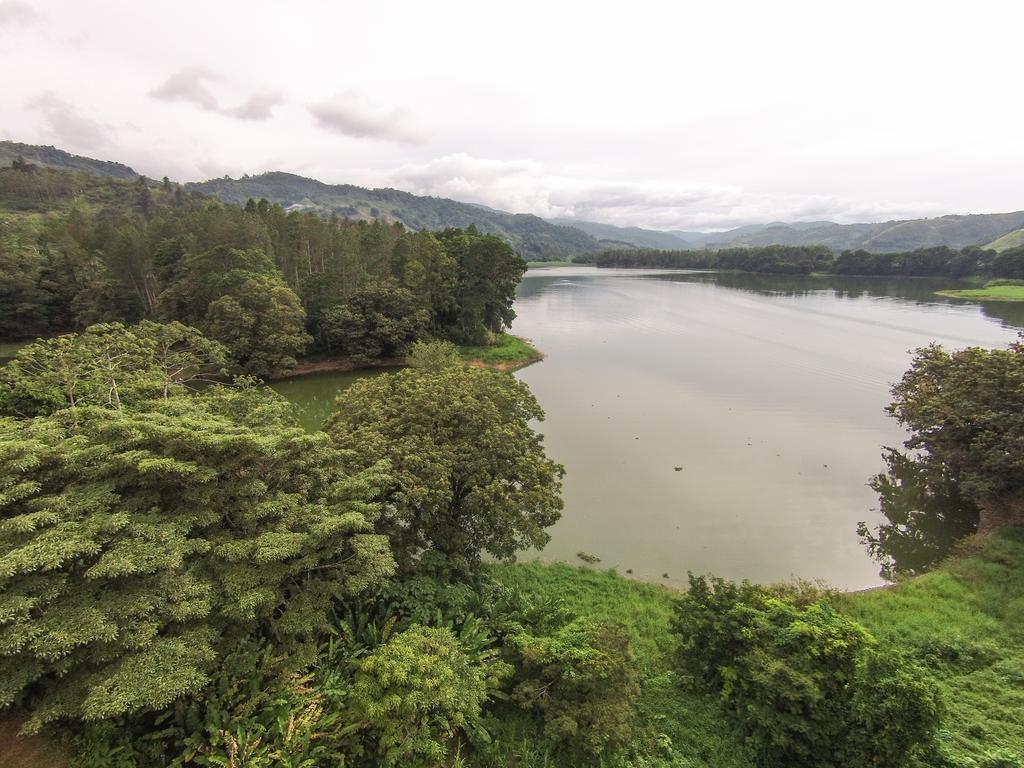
669,115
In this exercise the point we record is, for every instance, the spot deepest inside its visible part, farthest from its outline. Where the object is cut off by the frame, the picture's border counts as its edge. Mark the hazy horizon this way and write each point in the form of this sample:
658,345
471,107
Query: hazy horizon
656,119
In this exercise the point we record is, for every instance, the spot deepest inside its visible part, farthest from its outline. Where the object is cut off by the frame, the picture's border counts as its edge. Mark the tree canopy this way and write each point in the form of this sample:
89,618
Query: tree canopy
133,540
469,473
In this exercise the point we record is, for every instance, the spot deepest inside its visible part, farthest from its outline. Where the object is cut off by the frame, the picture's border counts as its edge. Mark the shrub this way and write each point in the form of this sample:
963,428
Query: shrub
581,681
809,686
419,692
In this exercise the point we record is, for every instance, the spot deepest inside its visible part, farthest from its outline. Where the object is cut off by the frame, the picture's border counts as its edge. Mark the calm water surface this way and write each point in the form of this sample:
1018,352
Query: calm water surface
768,392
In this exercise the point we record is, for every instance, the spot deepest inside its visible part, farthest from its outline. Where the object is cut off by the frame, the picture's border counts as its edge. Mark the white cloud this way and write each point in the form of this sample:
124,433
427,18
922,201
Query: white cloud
673,115
69,127
192,85
14,13
527,186
351,114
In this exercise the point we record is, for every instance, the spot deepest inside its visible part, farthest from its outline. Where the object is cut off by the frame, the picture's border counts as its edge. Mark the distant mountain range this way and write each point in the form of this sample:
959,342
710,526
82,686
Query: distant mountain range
545,240
994,230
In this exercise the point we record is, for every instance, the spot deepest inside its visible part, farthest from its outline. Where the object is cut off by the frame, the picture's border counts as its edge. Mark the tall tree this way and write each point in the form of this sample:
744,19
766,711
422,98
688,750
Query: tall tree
262,322
964,461
470,474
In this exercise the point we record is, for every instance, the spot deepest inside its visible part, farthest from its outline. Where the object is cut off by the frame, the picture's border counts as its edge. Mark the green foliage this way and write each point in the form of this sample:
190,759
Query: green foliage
488,273
965,412
258,278
256,712
419,692
132,540
961,622
108,365
378,320
808,685
469,473
433,356
504,350
777,259
580,682
262,322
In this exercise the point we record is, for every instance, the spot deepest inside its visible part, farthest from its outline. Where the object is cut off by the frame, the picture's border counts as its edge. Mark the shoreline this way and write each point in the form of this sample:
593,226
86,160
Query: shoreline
320,365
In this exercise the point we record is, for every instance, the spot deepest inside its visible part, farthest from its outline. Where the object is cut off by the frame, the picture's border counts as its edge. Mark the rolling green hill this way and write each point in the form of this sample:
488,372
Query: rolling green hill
51,157
1007,241
532,236
956,231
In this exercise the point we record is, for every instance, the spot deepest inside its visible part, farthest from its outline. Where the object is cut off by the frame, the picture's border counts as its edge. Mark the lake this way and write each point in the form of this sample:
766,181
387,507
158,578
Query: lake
769,393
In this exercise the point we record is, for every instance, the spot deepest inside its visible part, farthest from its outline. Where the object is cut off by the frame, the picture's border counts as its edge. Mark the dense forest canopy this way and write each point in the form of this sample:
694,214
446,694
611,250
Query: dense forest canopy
268,283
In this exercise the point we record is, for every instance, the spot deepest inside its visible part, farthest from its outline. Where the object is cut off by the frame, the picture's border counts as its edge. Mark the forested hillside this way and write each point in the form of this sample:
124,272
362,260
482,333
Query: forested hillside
532,236
78,249
537,239
51,157
912,234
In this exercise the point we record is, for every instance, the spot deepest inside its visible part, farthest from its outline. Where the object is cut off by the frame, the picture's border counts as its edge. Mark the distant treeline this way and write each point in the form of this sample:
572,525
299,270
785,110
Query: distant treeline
269,283
939,261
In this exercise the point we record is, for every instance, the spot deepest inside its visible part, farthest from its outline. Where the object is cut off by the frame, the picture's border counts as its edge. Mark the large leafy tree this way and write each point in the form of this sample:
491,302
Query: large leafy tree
379,320
963,467
134,541
470,474
488,271
262,322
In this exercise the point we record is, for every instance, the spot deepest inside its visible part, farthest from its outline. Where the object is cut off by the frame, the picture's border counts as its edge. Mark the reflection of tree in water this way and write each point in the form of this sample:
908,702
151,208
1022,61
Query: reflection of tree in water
963,468
925,515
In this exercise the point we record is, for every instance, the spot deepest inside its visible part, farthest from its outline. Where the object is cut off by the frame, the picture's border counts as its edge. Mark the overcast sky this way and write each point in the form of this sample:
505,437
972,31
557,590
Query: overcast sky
674,115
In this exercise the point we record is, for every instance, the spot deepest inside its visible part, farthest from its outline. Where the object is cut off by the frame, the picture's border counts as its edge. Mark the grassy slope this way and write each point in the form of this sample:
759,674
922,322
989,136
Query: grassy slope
965,621
988,293
1007,241
691,723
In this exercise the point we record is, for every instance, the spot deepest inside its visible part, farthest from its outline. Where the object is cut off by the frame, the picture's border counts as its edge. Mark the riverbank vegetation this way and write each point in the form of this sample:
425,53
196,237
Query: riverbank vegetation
939,261
507,352
994,290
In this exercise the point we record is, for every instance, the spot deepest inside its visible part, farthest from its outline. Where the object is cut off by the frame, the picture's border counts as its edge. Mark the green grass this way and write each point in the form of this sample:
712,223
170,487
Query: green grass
687,726
542,264
507,351
964,623
1007,241
996,291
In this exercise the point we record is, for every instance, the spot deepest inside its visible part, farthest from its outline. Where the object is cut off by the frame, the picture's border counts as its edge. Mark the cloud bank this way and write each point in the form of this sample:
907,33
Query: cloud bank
526,186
